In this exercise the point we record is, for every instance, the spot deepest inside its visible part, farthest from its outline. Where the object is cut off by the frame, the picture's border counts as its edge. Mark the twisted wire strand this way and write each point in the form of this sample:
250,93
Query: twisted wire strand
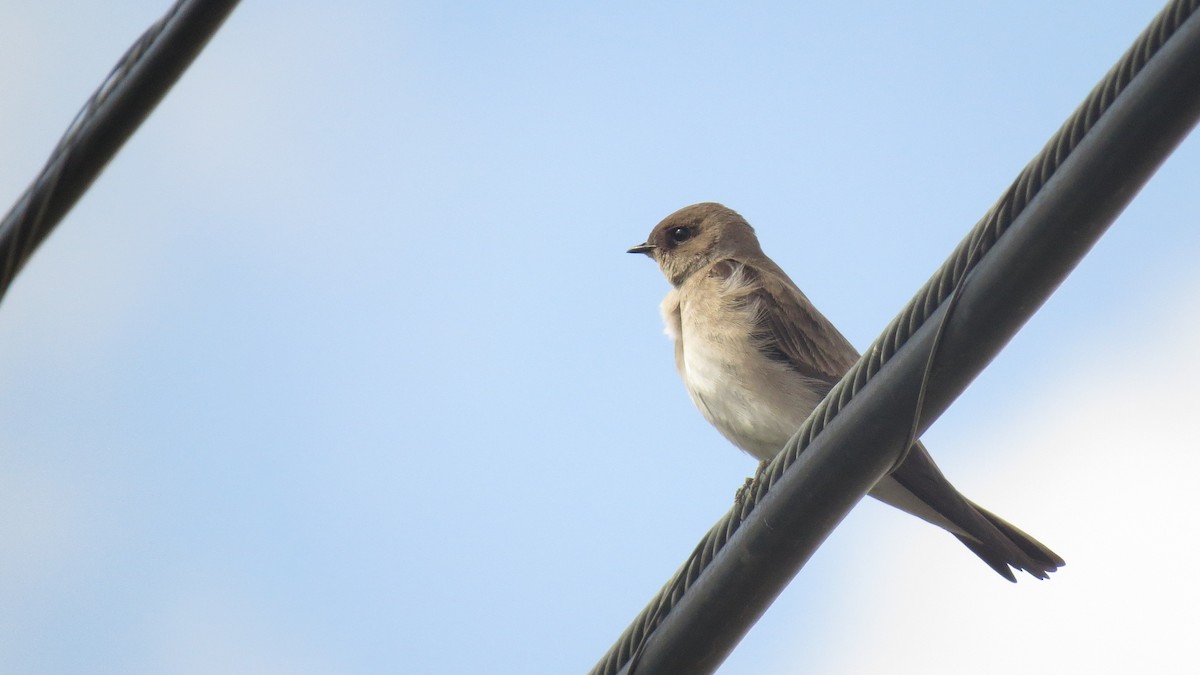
29,226
74,163
927,300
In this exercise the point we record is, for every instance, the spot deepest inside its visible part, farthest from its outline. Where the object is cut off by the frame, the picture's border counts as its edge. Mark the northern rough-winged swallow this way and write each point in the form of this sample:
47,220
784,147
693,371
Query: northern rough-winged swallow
757,357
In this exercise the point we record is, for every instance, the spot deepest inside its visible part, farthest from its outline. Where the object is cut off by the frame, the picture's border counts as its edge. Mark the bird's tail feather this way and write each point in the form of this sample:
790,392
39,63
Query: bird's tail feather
1037,560
990,537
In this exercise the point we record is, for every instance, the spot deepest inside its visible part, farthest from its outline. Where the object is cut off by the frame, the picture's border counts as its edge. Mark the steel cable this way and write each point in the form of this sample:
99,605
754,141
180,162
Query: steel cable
941,286
124,99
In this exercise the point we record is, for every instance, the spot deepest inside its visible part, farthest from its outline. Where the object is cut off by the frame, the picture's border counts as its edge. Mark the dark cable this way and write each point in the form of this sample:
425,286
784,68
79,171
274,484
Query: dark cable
1110,146
126,97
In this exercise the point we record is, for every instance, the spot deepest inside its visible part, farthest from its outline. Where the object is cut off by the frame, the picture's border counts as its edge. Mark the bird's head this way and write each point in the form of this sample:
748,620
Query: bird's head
696,236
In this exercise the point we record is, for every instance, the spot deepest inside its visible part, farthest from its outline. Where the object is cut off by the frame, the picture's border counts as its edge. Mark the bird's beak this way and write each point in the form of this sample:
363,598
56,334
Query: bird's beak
646,248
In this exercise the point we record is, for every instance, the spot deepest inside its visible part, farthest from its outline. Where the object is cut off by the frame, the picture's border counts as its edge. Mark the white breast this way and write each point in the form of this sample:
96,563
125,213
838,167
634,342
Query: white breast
753,401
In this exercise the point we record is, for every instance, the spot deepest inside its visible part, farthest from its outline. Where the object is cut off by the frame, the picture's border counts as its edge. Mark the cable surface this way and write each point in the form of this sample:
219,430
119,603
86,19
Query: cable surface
626,654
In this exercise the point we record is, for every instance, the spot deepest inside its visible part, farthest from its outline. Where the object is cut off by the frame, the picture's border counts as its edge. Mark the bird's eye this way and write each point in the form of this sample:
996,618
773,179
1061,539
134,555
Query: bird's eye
680,234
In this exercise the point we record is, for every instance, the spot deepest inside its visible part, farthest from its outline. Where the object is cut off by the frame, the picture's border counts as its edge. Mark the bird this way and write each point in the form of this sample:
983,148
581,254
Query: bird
756,357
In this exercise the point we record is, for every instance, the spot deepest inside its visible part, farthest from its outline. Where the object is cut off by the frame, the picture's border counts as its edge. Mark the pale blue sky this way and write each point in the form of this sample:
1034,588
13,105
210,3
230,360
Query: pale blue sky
341,366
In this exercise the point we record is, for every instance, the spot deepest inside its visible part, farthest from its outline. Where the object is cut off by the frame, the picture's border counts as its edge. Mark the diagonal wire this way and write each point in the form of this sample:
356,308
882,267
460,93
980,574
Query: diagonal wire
941,287
124,99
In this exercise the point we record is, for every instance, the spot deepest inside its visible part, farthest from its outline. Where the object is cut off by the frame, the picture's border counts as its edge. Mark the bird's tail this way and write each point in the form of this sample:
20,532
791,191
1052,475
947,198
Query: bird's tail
1037,558
918,487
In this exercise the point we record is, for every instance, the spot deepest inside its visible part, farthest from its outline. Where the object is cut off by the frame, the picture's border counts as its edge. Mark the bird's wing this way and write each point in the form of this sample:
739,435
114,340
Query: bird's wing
789,329
787,326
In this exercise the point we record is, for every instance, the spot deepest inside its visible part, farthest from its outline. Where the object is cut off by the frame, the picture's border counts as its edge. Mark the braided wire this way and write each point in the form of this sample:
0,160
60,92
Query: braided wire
927,300
78,158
